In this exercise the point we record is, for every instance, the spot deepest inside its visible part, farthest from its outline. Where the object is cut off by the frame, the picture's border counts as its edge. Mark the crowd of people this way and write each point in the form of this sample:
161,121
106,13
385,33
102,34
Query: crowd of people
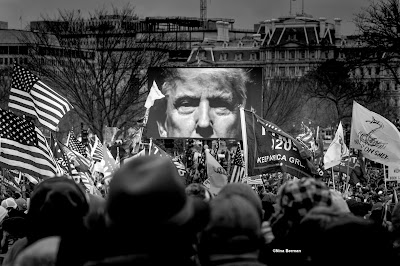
150,217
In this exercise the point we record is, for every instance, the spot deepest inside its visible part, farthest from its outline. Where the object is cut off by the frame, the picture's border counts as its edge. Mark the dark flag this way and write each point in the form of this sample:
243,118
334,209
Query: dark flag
268,145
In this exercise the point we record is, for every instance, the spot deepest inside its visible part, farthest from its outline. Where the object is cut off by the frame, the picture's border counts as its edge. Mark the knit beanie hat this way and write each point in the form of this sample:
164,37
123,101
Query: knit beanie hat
295,199
9,203
234,228
245,191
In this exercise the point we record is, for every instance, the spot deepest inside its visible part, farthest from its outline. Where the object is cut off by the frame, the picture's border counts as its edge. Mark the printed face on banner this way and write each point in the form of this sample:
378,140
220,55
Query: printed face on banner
201,103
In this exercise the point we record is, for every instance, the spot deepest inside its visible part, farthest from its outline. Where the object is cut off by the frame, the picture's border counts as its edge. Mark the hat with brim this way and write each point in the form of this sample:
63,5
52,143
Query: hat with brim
148,191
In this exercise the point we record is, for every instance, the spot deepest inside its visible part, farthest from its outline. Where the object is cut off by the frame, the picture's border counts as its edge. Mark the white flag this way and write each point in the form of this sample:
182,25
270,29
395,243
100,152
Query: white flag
154,94
375,136
337,149
217,175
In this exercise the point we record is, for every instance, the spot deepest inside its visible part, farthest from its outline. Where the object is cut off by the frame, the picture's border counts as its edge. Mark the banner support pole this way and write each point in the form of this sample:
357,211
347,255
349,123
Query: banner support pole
244,139
333,178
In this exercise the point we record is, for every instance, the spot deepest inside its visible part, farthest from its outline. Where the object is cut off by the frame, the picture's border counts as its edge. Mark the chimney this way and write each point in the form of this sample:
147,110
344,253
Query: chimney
322,28
226,31
257,37
338,31
220,30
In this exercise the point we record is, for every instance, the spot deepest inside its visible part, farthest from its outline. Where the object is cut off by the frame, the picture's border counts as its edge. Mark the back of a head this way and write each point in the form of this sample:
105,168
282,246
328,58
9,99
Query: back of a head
57,206
199,191
245,191
234,230
295,199
146,191
359,240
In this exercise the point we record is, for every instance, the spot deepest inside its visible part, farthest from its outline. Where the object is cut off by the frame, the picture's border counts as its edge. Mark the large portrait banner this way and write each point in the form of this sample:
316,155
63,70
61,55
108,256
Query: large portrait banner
202,103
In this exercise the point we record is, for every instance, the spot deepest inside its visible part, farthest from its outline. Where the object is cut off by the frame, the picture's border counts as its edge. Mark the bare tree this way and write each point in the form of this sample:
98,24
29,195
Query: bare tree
332,82
99,63
379,27
282,100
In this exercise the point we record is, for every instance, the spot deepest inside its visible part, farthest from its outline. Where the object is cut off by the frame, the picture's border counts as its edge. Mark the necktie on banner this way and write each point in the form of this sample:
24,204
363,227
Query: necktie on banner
23,147
34,98
217,176
337,149
268,146
375,136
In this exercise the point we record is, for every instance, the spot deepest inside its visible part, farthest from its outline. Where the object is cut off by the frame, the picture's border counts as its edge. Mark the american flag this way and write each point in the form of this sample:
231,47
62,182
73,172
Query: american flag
23,147
31,96
75,145
97,150
59,156
239,170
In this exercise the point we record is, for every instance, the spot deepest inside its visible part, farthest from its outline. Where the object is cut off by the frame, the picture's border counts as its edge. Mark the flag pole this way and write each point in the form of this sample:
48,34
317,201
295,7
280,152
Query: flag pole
244,139
348,174
384,178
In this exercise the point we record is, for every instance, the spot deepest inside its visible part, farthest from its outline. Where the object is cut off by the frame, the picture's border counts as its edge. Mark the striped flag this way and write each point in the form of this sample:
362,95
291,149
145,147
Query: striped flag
23,147
75,145
31,96
238,171
59,156
110,166
97,150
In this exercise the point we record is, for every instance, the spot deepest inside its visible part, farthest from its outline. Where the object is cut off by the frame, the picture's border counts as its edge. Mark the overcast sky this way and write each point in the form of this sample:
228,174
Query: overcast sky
245,12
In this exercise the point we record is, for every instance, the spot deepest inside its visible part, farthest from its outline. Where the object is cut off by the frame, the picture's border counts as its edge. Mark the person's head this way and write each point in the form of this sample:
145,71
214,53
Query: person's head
233,233
148,193
245,191
57,207
295,199
198,190
203,102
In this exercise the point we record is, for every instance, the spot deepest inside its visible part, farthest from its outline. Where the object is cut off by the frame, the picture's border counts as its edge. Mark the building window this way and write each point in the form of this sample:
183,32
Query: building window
302,54
292,71
223,57
238,57
282,71
1,60
225,44
312,54
282,55
6,61
292,55
202,54
240,44
302,71
273,55
253,57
